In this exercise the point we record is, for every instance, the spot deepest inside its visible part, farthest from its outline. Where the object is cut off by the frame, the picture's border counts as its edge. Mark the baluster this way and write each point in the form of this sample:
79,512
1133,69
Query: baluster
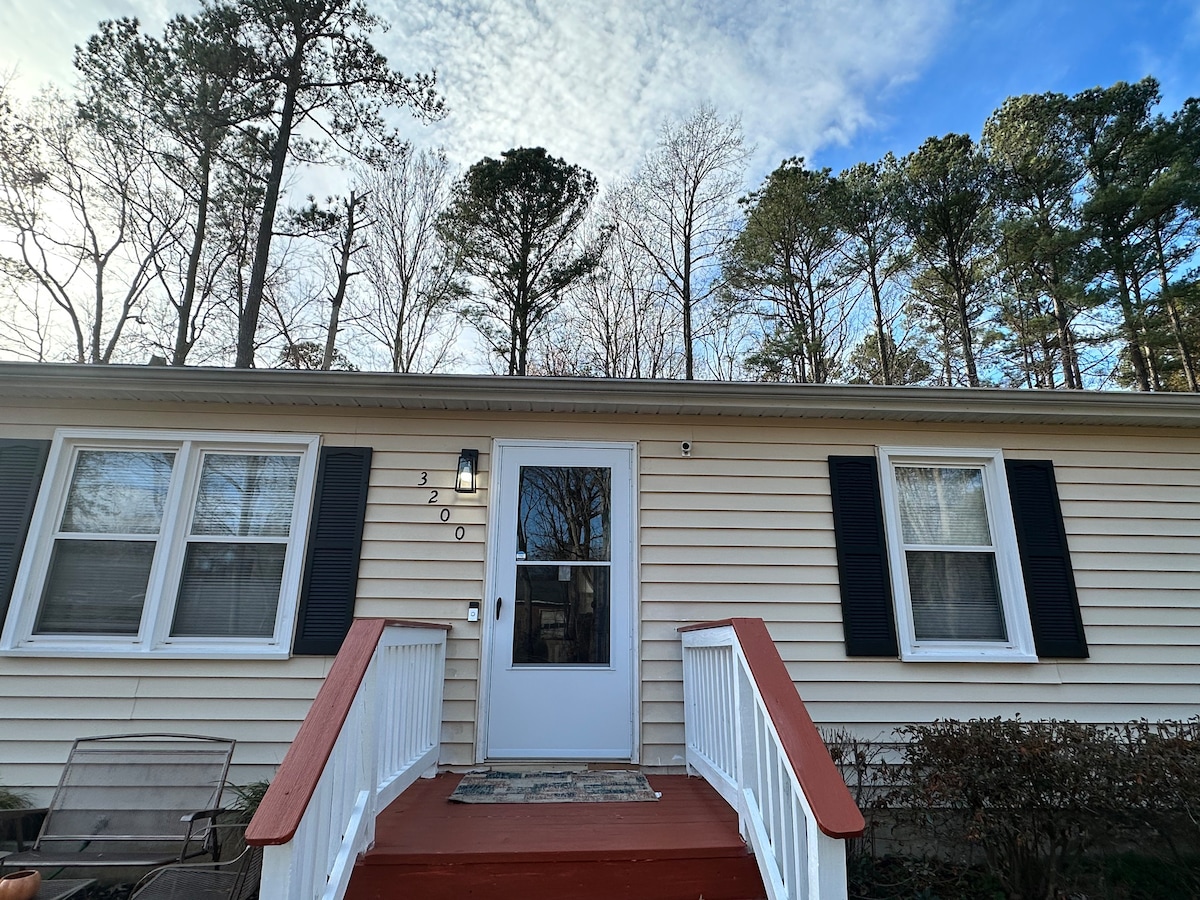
786,853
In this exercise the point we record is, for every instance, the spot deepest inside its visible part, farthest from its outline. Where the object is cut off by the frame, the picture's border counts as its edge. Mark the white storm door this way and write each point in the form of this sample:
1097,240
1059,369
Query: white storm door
562,606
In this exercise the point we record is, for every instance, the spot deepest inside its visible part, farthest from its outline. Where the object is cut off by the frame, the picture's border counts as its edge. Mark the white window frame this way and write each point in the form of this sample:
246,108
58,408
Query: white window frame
153,637
1019,647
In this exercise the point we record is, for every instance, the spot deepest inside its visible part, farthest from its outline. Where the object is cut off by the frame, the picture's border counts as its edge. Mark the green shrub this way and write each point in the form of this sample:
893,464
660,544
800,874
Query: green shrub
10,799
248,797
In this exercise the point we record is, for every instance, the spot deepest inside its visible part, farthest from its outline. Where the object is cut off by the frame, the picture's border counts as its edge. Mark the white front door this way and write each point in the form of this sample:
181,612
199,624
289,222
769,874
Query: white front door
561,611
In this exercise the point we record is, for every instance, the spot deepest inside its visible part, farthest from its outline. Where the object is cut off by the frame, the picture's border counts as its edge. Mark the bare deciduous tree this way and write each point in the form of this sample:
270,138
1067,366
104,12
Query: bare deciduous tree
410,291
683,212
617,321
72,224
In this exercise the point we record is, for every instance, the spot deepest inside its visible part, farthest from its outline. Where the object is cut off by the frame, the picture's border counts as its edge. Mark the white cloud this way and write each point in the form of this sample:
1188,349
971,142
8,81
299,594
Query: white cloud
38,39
592,80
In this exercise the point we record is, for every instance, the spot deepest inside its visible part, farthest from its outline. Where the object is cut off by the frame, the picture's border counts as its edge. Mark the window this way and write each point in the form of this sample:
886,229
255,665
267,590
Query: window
165,543
970,562
955,567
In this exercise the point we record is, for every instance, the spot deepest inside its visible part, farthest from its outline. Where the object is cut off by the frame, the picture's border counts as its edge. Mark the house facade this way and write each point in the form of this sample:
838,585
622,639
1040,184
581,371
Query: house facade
181,550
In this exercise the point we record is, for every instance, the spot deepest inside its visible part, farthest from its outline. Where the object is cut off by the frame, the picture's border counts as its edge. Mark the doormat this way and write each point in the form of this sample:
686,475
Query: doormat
606,786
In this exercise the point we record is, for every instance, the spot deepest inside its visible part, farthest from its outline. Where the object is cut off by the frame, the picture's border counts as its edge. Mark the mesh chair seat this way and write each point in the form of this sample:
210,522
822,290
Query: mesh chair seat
234,880
132,800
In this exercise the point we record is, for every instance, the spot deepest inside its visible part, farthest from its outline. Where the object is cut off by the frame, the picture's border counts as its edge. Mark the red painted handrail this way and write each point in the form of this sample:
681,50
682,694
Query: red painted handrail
285,801
833,807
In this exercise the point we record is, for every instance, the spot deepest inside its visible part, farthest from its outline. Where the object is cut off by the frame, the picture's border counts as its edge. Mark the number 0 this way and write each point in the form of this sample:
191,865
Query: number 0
460,533
445,514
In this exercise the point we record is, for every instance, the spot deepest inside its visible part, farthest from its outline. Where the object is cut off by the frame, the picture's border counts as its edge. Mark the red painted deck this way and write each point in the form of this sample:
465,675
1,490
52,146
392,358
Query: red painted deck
684,846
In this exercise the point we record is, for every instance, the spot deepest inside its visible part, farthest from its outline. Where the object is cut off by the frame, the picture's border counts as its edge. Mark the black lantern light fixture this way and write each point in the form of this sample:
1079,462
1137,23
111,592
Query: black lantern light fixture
468,468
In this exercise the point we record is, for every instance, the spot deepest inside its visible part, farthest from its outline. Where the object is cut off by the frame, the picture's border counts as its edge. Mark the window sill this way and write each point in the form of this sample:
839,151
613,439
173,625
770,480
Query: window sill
80,651
958,655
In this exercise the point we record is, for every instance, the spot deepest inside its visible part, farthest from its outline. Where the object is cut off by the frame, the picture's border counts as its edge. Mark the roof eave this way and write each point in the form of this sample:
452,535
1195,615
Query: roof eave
591,396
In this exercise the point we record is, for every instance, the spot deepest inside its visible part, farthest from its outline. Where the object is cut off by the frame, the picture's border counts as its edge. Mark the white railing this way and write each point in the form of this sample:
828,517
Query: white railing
749,735
373,729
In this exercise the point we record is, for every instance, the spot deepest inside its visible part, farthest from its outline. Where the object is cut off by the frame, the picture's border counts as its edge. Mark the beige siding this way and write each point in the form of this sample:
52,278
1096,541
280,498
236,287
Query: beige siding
742,527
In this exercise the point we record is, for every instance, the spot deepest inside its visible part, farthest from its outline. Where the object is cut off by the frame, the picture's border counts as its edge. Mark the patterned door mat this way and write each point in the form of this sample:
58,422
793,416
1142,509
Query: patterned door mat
607,786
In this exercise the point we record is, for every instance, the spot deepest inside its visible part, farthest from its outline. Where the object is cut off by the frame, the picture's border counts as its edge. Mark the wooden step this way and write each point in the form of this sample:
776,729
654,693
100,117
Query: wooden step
683,847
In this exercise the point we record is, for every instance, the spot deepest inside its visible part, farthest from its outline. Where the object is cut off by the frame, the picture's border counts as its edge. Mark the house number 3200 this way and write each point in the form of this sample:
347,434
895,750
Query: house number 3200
444,514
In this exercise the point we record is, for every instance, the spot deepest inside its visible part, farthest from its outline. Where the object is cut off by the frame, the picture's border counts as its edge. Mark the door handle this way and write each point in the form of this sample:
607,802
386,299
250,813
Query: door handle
499,601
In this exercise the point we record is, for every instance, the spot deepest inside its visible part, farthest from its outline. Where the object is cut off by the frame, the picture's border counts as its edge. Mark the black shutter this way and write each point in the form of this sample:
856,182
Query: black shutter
21,465
1045,559
334,544
868,617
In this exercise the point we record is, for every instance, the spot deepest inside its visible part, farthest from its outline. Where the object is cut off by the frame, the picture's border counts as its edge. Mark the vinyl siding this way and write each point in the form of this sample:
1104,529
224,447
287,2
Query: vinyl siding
741,528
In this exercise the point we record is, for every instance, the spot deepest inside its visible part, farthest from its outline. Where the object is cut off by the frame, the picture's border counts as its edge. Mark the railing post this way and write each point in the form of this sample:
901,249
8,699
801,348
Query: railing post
687,661
832,881
369,758
747,763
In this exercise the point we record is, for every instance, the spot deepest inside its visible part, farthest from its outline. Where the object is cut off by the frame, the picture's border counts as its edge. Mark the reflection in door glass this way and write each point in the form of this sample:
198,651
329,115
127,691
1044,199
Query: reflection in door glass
562,615
564,513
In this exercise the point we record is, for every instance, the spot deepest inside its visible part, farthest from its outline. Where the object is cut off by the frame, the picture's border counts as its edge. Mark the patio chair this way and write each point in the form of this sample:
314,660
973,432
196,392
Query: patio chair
236,879
133,800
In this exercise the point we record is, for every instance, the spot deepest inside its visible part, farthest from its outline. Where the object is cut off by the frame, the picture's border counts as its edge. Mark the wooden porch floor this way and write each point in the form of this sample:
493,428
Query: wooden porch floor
684,846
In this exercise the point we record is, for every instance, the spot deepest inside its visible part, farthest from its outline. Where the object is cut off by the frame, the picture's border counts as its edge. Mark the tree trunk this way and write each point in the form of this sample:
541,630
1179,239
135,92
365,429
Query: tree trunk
344,274
685,297
885,363
1168,300
1133,340
248,324
968,348
182,345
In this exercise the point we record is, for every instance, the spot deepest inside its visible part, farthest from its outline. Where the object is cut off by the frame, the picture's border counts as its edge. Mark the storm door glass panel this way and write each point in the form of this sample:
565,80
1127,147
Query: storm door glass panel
237,542
564,513
564,540
105,544
562,615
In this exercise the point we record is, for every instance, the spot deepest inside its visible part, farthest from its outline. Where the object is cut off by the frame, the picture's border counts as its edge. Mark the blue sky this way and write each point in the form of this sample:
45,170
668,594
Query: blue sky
837,81
993,49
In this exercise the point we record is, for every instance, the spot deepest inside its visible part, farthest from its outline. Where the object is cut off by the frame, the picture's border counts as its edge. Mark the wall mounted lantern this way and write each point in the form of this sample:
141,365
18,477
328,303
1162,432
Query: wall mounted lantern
468,468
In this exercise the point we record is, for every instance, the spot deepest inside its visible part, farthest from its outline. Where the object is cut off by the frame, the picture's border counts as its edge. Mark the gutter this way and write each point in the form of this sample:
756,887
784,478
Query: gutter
592,396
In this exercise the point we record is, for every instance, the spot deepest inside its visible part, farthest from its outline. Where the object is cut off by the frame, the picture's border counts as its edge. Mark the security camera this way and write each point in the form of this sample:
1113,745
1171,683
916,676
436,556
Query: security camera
685,447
